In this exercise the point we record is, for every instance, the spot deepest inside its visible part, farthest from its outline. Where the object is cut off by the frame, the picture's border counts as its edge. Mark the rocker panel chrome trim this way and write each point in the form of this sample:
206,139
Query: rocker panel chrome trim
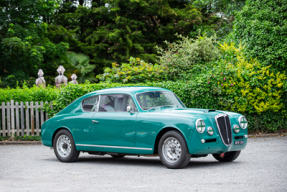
116,147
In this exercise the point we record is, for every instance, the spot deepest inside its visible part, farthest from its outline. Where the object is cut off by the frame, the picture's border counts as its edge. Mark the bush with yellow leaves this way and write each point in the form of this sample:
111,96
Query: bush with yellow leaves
246,86
254,87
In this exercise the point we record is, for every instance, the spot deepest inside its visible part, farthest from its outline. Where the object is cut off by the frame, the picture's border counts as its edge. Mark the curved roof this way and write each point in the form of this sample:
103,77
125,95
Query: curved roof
133,90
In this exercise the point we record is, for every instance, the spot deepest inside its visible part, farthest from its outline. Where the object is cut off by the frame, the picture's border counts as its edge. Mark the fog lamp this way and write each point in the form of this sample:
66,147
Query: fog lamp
210,131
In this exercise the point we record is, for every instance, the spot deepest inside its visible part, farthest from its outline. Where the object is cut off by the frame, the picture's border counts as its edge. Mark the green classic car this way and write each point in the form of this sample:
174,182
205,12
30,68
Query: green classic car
143,121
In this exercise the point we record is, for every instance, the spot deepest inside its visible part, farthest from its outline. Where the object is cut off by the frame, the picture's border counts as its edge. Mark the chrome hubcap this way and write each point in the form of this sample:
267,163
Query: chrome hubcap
171,149
64,146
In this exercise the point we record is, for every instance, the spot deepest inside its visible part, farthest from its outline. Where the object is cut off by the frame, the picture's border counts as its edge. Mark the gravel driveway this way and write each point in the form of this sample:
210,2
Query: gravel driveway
262,166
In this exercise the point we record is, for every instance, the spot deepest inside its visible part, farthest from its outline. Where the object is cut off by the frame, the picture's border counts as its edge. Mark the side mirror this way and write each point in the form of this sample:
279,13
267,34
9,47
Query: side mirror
130,109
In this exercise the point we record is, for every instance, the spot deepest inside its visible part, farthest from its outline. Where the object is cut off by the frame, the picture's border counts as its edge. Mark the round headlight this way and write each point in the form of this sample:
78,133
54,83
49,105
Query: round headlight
236,129
242,122
210,131
200,125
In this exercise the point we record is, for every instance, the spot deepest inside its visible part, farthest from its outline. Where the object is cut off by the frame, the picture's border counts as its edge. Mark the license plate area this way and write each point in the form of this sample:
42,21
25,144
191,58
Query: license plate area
238,142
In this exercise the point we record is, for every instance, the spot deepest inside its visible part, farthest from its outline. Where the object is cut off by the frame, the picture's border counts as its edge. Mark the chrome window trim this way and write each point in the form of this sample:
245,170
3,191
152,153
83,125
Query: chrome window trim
86,99
157,91
98,106
117,147
216,117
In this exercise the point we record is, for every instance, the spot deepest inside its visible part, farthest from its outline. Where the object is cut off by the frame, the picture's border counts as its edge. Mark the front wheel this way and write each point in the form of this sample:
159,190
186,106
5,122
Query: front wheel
228,157
173,151
64,147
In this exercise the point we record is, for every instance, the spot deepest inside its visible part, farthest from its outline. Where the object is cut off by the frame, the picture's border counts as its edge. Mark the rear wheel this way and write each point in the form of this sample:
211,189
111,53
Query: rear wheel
173,151
64,147
228,157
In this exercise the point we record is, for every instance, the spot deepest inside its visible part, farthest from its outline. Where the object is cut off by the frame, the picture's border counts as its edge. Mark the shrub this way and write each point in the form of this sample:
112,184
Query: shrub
248,87
195,94
261,25
134,72
233,83
28,94
253,88
182,55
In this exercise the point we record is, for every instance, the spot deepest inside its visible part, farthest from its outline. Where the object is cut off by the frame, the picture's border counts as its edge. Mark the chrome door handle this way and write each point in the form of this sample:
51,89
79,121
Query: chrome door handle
94,121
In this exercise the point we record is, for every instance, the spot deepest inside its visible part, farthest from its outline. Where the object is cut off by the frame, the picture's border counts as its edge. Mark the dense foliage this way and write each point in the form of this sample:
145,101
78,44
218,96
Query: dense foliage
136,71
77,63
36,34
194,94
224,9
262,27
113,30
29,94
107,37
24,48
235,83
182,55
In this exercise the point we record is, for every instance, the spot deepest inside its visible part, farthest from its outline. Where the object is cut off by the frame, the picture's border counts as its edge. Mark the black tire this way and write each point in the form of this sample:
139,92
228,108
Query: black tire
70,156
228,157
182,159
117,156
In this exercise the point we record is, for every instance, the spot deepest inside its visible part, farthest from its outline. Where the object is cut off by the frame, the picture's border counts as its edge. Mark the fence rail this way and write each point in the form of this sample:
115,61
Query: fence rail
24,118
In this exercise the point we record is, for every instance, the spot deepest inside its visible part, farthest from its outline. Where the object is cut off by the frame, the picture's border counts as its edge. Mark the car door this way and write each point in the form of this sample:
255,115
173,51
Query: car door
114,126
80,122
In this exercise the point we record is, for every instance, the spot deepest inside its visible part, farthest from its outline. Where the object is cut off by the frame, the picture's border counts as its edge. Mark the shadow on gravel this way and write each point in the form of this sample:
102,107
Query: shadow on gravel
148,162
121,161
199,164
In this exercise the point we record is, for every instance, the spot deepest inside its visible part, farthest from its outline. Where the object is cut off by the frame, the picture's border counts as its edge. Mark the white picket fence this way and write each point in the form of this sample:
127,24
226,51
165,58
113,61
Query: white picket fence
24,118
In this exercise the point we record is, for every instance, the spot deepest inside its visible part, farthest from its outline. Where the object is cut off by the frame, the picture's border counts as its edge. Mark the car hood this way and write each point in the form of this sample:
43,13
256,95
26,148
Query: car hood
195,112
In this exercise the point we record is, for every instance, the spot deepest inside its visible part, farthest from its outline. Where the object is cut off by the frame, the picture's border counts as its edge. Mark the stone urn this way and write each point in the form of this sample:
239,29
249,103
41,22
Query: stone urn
40,81
61,79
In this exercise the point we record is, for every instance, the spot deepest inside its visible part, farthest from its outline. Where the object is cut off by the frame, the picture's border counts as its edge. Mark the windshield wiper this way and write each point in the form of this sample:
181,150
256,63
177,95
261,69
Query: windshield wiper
157,107
171,106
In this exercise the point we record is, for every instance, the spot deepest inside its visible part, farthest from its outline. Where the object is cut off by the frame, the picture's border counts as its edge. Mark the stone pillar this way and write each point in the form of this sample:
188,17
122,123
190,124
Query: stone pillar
61,79
74,77
40,81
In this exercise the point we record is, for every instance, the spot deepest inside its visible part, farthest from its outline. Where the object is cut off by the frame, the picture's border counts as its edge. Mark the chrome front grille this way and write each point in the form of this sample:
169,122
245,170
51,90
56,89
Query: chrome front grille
224,128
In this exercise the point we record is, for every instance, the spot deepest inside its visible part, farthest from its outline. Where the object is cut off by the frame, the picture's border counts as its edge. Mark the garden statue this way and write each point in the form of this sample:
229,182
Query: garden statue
61,79
74,77
40,80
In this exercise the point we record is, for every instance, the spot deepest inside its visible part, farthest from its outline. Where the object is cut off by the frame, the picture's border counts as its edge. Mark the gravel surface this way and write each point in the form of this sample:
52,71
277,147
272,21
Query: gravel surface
261,166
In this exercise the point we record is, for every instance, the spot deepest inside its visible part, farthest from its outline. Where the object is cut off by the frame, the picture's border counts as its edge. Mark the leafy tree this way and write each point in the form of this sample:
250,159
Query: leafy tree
79,64
113,30
262,27
24,47
220,14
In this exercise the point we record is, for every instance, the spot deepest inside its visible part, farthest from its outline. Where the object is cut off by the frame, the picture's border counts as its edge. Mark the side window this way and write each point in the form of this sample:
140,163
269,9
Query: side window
116,103
90,104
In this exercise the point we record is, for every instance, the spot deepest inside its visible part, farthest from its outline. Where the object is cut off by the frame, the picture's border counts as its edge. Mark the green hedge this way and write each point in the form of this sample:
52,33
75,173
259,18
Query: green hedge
29,94
261,26
195,94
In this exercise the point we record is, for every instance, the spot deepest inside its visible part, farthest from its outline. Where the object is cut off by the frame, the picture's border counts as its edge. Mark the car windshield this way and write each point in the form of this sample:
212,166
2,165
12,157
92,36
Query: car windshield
158,99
